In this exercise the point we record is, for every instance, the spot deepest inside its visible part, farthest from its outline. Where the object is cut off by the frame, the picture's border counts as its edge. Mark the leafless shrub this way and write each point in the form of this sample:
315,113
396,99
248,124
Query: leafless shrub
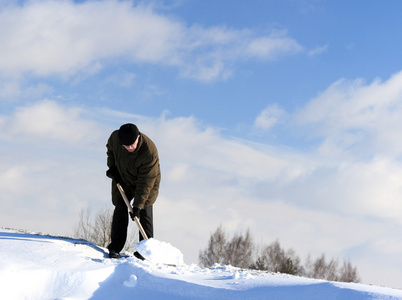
274,259
348,273
215,251
239,251
330,270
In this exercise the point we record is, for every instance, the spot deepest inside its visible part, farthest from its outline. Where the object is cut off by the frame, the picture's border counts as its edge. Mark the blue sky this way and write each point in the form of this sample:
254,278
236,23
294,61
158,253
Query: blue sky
278,116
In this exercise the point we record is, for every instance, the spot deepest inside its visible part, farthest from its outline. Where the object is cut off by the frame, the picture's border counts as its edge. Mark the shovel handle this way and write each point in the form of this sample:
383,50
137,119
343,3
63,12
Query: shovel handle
123,194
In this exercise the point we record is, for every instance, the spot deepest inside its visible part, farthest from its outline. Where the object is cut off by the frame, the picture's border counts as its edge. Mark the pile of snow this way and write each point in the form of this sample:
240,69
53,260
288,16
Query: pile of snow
34,266
159,252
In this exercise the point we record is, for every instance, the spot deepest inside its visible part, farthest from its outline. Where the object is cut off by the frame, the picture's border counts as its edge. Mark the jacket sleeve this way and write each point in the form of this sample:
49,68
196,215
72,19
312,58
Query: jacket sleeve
148,173
110,163
109,152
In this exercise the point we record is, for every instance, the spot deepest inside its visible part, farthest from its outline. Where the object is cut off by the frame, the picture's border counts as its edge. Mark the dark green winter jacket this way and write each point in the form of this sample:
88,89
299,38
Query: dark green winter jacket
139,170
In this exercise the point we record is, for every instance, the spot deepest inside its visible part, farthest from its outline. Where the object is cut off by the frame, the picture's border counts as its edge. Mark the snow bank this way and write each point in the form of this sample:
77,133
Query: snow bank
36,266
159,252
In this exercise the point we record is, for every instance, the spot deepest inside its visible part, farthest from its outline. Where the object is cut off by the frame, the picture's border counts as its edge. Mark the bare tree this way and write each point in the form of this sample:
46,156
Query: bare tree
236,252
292,264
332,270
102,226
318,269
348,273
239,251
83,229
215,251
321,269
274,259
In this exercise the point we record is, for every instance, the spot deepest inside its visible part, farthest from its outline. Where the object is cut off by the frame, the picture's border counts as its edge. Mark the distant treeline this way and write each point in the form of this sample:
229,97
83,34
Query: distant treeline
240,251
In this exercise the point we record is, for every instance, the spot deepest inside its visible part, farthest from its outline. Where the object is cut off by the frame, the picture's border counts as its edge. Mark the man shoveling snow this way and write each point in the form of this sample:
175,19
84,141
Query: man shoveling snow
133,163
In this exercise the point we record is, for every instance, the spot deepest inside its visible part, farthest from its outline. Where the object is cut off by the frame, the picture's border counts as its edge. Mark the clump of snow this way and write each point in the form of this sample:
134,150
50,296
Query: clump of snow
34,266
159,252
131,282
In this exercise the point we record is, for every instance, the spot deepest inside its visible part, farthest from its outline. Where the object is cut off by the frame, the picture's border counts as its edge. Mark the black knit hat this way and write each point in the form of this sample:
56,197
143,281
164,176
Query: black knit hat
128,133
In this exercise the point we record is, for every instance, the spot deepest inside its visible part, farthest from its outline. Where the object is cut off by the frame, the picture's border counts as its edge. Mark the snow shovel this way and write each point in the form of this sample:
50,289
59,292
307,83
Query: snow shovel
123,194
151,249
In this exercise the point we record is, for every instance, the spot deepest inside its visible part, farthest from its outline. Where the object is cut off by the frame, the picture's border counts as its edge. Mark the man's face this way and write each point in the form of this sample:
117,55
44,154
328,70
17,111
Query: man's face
132,147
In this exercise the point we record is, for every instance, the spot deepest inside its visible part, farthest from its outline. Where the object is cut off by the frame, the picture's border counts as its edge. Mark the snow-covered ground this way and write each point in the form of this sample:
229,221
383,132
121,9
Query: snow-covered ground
34,266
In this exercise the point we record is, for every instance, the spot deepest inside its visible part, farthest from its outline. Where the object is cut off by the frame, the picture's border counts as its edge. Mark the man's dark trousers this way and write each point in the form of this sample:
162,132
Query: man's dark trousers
120,223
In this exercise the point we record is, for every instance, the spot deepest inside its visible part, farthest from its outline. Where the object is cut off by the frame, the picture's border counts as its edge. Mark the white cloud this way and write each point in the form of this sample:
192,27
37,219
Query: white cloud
50,122
62,37
359,117
269,117
318,50
356,162
9,89
51,167
124,79
272,46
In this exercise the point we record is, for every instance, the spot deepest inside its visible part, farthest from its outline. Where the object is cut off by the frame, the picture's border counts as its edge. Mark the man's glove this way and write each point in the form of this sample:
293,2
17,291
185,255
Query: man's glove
135,213
114,174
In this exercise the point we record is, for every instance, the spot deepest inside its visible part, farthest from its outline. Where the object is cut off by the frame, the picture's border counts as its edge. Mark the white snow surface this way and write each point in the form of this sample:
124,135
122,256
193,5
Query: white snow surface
37,266
159,252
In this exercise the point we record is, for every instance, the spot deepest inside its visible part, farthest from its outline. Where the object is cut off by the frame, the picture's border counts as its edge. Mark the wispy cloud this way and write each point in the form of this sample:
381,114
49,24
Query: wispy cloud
318,50
269,117
50,122
272,46
62,37
359,117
